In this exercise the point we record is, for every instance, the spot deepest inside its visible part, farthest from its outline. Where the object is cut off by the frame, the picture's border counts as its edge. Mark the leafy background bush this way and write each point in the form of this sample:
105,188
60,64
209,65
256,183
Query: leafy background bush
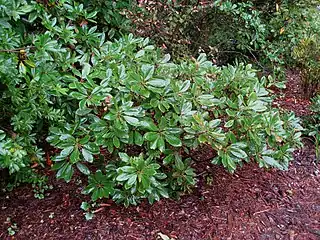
70,85
260,32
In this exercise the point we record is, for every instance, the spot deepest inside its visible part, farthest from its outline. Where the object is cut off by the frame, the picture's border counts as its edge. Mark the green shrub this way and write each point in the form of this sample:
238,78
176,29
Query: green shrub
135,96
39,43
95,100
312,124
307,55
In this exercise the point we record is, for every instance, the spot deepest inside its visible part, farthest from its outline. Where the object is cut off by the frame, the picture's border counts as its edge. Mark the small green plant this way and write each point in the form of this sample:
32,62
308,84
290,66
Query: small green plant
88,213
162,236
40,186
13,228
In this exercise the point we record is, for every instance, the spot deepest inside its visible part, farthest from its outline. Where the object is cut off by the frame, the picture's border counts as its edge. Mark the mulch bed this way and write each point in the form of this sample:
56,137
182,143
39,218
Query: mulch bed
292,97
251,204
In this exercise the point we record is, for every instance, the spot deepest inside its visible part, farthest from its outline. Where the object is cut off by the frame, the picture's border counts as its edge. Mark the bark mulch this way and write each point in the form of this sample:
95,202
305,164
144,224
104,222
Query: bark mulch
251,204
292,97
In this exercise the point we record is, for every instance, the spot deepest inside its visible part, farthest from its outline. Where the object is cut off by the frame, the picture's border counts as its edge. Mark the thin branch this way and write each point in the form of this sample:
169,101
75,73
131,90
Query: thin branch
16,49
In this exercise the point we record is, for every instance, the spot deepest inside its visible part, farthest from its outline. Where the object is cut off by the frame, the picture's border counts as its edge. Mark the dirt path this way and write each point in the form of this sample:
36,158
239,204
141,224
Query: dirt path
251,204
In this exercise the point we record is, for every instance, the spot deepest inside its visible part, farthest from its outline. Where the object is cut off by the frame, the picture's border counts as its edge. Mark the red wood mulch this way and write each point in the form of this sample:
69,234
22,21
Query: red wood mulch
251,204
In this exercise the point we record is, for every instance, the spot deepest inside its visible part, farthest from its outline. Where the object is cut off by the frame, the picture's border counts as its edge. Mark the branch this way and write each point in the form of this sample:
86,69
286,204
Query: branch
16,49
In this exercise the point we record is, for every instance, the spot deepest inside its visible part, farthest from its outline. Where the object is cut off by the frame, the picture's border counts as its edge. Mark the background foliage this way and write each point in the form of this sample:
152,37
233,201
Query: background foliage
261,32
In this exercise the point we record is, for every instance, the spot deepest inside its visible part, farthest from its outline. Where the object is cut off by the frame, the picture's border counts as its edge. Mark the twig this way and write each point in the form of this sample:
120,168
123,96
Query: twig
105,205
202,173
99,210
16,49
266,210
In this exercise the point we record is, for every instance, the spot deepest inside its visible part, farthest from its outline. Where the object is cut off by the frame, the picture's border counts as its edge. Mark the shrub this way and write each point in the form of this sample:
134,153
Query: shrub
307,55
39,43
223,29
312,124
134,96
95,100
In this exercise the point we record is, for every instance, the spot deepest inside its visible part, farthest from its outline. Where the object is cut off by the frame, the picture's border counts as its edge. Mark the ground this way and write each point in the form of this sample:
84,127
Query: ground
253,203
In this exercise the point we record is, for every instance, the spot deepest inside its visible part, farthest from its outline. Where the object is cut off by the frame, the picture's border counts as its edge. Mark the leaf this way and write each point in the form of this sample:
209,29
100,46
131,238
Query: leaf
231,164
239,153
123,177
66,173
66,151
139,54
168,159
161,144
124,157
179,164
83,168
131,120
132,180
83,112
166,58
150,136
116,142
158,83
272,162
208,100
229,123
30,63
173,140
77,95
138,139
75,156
149,125
186,108
85,70
85,206
89,216
147,70
185,86
87,155
127,169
